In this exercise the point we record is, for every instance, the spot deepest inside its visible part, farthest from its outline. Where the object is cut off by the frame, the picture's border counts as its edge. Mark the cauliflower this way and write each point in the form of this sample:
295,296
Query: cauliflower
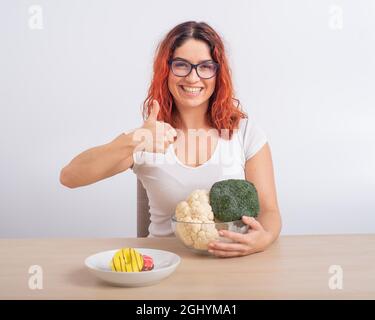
201,229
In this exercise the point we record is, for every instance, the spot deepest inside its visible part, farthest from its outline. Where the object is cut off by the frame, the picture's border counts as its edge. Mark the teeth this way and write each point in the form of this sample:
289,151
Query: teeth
190,89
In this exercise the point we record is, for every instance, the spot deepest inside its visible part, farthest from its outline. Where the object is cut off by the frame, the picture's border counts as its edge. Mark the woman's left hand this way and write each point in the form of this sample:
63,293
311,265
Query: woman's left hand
255,240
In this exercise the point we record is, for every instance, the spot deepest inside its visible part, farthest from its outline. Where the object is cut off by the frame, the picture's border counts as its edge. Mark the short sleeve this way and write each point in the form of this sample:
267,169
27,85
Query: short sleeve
138,159
253,137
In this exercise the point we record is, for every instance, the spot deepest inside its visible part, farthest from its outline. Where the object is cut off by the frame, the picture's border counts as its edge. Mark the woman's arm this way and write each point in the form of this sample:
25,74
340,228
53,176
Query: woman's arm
266,228
99,162
112,158
259,171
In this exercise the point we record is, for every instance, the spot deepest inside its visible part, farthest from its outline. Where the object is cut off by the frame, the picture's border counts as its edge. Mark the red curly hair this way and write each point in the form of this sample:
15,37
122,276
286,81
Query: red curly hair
221,112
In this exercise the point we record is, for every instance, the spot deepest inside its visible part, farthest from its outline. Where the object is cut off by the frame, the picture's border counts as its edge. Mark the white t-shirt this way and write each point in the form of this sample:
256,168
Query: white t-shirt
168,181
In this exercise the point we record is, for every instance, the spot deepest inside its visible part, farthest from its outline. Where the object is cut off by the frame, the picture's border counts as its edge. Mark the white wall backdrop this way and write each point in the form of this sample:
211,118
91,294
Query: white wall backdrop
74,75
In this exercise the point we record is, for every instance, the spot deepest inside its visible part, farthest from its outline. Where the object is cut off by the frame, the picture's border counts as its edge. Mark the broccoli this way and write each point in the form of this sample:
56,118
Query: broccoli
233,198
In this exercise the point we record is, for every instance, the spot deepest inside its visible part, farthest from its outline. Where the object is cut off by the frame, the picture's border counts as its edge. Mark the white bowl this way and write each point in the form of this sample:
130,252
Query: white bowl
165,263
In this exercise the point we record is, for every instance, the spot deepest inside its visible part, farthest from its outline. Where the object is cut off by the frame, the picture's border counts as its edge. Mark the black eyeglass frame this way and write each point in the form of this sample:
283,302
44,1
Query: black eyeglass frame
194,66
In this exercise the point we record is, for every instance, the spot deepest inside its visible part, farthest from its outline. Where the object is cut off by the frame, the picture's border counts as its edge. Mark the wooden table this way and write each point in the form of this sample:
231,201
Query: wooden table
294,267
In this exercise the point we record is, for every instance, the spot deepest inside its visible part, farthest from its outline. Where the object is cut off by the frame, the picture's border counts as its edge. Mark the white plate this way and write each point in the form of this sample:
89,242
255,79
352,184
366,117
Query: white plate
165,263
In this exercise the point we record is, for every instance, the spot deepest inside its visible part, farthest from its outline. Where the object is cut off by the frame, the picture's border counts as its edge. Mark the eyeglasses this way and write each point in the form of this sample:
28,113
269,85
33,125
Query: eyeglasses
182,68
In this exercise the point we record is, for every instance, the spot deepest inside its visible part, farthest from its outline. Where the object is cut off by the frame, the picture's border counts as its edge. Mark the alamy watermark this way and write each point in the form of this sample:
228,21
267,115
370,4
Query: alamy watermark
35,18
336,281
36,279
336,17
200,140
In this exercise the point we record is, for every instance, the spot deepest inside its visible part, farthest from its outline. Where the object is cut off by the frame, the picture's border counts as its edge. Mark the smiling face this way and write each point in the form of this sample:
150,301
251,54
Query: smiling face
191,91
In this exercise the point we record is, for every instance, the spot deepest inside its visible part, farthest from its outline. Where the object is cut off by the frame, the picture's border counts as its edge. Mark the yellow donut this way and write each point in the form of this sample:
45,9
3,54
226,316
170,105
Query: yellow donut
127,260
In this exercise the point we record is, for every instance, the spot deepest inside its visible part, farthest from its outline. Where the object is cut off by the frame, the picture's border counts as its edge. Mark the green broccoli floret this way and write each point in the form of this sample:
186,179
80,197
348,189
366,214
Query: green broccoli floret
233,198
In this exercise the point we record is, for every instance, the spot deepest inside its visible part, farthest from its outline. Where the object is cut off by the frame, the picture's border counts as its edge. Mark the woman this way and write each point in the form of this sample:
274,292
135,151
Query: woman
190,99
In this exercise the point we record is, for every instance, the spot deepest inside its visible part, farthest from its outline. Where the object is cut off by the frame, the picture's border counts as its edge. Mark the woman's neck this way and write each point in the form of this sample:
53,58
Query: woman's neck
192,118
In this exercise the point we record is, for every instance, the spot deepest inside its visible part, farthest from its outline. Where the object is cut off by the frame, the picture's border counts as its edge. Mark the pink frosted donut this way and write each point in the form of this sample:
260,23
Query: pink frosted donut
148,263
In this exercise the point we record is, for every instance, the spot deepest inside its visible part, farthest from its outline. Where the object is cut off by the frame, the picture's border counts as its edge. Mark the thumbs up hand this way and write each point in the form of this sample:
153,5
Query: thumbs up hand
156,135
154,111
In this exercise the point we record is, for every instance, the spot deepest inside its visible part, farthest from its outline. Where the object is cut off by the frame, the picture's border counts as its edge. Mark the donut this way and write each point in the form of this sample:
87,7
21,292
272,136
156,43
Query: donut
148,263
127,260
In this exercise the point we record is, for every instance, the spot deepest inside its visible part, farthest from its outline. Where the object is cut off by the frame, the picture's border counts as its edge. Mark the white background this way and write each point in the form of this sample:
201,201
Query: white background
305,70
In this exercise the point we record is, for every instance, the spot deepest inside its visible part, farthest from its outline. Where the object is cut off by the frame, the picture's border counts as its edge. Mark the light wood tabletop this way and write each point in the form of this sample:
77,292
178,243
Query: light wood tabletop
294,267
